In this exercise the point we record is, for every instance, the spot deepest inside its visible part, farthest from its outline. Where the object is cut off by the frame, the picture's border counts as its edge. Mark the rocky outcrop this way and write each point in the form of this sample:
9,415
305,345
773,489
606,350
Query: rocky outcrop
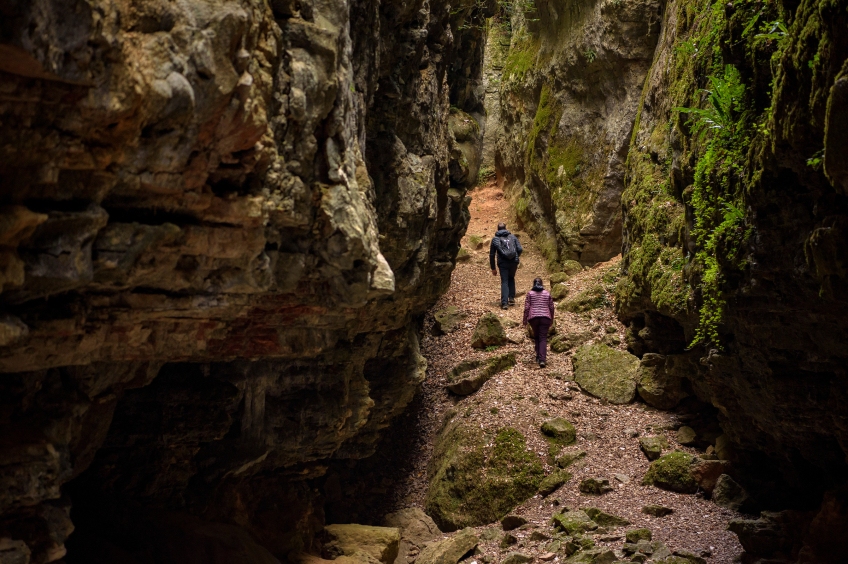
569,91
220,225
734,238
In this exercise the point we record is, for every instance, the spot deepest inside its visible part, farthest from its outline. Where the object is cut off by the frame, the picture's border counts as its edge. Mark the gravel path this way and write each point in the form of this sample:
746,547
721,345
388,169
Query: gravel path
523,397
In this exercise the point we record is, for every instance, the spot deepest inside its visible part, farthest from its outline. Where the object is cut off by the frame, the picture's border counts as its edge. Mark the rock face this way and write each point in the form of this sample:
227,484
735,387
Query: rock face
220,223
735,237
569,92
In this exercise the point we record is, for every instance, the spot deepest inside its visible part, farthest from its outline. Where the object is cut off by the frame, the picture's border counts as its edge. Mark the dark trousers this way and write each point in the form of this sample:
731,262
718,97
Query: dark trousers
540,326
507,282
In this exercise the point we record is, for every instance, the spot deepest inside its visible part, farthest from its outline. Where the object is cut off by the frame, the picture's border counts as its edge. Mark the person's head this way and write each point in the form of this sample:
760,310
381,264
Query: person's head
501,226
537,283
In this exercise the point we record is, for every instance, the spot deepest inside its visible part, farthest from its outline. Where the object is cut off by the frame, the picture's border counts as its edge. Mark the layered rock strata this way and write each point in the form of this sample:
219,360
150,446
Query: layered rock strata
220,225
569,91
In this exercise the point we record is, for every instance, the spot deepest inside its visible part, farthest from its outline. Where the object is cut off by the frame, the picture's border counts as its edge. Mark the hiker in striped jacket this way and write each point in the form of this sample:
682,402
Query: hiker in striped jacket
539,312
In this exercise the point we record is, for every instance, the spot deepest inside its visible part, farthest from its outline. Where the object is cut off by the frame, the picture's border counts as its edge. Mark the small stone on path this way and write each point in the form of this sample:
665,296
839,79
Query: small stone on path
511,522
595,486
657,510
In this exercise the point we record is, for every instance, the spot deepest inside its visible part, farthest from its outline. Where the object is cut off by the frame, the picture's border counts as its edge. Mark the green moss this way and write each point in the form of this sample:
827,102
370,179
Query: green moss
593,297
672,472
521,58
477,478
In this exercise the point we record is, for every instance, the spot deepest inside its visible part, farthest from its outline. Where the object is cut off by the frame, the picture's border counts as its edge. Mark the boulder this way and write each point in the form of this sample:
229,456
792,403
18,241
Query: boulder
559,430
635,535
516,558
416,529
661,379
686,436
724,448
470,375
559,278
593,556
570,458
477,477
448,320
510,522
605,519
449,551
730,495
379,543
688,557
774,532
655,510
559,291
595,486
572,267
463,255
553,482
653,446
707,472
593,297
606,373
672,472
612,340
564,343
575,521
488,332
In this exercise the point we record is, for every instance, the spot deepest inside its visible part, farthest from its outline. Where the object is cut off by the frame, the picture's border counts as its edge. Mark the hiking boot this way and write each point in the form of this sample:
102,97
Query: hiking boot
512,301
542,364
504,306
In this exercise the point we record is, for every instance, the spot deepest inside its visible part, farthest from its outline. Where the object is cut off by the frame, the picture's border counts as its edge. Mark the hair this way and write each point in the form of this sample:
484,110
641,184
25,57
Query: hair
501,226
538,282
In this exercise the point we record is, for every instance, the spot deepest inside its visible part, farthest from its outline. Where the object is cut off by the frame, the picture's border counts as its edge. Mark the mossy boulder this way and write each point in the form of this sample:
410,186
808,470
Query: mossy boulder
572,522
595,486
477,477
488,332
727,493
559,430
686,435
605,519
572,267
672,472
593,556
661,379
559,291
606,373
447,320
655,510
570,458
593,297
652,447
564,343
553,482
469,376
635,535
559,278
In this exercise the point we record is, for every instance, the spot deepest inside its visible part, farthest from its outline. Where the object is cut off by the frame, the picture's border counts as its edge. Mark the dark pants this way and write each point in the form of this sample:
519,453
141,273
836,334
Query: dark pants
540,326
507,282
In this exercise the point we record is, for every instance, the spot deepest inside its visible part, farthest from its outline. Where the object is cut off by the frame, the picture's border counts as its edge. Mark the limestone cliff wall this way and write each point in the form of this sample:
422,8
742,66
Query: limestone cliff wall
569,91
221,222
734,230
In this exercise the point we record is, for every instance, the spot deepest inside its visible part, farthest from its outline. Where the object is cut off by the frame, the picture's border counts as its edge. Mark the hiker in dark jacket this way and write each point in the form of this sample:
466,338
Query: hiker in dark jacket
508,248
539,312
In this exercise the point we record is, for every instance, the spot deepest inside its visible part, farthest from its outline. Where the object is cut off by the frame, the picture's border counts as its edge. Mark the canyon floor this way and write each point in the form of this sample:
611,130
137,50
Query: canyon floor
523,397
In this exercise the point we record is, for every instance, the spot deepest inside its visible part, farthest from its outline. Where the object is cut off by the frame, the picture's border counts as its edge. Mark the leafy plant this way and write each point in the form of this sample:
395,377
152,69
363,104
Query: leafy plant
816,160
723,99
590,55
772,31
491,348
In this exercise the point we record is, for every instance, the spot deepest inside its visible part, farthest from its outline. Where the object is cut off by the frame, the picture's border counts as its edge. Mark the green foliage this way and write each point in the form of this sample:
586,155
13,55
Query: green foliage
724,99
590,55
485,174
491,348
521,58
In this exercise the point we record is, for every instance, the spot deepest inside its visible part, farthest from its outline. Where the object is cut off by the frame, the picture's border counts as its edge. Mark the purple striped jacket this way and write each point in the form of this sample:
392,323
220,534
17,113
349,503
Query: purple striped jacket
538,304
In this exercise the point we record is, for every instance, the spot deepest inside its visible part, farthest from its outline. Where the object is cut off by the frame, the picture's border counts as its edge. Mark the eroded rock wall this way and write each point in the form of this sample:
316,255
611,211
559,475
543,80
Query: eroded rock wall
221,223
569,91
734,236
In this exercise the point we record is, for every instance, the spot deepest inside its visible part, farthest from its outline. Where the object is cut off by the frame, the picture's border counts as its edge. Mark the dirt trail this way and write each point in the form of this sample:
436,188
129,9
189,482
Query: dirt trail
523,397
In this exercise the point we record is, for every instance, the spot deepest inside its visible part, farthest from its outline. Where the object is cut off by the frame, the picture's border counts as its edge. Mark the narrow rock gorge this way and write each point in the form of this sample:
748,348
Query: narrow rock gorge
224,225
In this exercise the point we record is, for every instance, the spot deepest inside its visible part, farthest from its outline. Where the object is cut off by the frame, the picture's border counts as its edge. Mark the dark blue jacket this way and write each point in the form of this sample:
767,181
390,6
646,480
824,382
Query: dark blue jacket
495,245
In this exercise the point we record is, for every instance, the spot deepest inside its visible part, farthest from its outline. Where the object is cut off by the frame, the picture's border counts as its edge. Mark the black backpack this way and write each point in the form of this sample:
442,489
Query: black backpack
506,248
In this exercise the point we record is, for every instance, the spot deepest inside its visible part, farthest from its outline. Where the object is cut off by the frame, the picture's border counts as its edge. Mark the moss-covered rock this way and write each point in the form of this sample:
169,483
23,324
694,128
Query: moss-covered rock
572,522
470,375
593,297
661,380
595,486
477,477
655,510
571,267
447,320
378,543
559,278
553,482
606,373
559,291
671,472
559,430
570,458
593,556
635,535
652,447
605,519
564,343
488,332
